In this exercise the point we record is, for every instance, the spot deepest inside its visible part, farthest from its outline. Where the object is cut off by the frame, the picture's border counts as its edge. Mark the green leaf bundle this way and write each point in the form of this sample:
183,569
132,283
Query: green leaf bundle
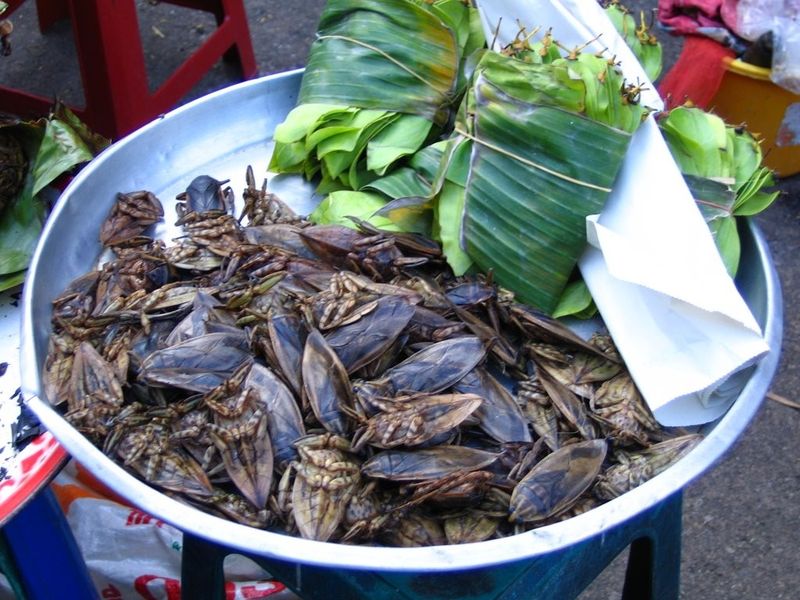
722,167
52,146
532,149
535,171
382,80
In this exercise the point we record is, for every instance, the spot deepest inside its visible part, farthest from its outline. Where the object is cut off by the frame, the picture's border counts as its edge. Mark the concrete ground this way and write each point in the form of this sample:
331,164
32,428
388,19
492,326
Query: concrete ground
740,526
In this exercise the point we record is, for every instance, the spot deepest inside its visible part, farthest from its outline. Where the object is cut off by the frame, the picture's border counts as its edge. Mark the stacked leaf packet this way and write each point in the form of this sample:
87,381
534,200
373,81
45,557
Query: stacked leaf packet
505,182
383,78
721,164
534,131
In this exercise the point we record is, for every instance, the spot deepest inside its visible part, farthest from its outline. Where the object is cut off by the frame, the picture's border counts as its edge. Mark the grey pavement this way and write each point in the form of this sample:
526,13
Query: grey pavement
741,525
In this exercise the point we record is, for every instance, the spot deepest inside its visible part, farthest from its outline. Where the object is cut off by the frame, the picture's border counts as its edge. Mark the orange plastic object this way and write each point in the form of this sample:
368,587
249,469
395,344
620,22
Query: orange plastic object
113,72
746,95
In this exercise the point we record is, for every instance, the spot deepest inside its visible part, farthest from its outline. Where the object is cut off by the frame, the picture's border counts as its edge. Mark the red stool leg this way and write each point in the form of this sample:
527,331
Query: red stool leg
232,35
112,64
27,105
50,12
243,46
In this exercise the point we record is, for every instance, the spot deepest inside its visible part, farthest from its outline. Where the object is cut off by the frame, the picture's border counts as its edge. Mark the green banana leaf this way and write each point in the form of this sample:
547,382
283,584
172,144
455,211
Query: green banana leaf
747,154
720,204
20,225
61,149
411,57
401,138
716,200
404,182
640,39
550,84
535,173
338,208
409,190
53,146
526,81
512,122
751,177
699,142
11,280
756,200
722,168
576,301
608,99
450,207
726,238
510,189
578,81
415,180
406,60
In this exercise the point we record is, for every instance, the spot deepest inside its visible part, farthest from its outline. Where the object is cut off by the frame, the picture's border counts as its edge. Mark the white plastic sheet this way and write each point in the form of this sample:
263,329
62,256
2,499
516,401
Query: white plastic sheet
652,266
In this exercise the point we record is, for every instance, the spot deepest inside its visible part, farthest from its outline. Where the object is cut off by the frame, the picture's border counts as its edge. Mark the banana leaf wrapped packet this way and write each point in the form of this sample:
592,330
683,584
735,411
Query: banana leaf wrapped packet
33,154
546,142
382,79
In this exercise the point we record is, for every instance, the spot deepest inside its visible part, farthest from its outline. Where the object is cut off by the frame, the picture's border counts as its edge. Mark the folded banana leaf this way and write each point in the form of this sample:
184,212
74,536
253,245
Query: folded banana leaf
50,146
722,167
343,206
401,200
416,179
535,173
382,79
521,172
545,144
716,199
414,74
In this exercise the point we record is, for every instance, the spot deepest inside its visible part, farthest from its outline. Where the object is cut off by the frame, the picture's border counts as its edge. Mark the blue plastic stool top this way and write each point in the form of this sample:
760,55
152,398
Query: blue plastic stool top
40,556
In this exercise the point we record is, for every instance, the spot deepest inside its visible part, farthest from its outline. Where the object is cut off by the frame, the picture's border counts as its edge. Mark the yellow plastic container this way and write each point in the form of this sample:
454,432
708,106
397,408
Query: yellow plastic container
747,96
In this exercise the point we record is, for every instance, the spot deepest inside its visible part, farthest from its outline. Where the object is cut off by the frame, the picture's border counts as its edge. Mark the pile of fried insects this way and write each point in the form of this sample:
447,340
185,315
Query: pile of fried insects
338,383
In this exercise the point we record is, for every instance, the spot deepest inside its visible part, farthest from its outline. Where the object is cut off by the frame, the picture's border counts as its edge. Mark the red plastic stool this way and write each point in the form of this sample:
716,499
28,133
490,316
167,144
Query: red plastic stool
109,48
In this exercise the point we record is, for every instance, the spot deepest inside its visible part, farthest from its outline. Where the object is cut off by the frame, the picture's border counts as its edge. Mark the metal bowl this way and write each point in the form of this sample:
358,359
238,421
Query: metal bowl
220,135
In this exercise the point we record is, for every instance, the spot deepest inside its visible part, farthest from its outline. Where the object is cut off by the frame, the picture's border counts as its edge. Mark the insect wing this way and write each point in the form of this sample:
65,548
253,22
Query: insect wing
557,481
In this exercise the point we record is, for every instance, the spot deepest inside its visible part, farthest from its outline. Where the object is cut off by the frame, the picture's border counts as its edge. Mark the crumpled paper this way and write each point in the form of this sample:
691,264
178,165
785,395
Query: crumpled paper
657,279
680,324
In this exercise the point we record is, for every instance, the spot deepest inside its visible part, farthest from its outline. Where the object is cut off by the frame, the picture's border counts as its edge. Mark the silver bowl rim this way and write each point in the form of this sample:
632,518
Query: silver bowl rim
280,546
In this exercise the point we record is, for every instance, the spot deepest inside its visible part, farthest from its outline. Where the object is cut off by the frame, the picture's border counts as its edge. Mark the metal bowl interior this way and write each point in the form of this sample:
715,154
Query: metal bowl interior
220,135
